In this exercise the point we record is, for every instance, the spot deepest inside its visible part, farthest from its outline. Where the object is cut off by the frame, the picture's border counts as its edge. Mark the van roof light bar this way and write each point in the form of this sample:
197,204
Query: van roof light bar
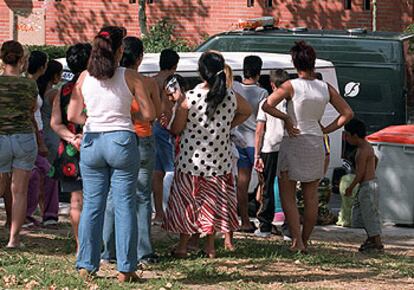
254,23
298,29
359,30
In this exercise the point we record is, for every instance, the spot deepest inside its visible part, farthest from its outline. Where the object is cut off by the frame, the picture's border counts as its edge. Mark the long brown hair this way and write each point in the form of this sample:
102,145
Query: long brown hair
102,63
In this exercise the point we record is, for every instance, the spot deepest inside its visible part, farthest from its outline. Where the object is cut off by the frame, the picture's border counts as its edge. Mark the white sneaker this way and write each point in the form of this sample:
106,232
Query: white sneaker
287,238
260,234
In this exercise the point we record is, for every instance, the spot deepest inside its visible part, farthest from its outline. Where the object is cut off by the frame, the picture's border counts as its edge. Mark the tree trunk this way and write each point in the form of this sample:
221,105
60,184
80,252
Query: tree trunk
142,17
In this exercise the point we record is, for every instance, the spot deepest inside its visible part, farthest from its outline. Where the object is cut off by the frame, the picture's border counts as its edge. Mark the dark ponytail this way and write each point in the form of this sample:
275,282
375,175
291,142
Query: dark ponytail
54,68
211,68
102,63
133,50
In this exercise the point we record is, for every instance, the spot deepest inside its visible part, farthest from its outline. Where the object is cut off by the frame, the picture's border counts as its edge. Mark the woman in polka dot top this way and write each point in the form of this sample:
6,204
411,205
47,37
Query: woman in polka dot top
203,197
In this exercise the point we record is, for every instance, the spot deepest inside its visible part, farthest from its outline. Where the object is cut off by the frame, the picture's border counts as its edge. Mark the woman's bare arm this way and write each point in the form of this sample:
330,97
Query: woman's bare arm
76,104
344,110
285,91
57,124
243,111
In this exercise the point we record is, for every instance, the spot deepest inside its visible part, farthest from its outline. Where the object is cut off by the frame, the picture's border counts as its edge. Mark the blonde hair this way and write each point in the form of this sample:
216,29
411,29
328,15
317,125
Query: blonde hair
229,76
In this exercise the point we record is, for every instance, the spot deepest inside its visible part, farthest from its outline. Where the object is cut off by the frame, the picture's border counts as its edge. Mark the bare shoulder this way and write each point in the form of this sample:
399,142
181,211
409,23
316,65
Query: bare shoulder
150,84
131,74
366,150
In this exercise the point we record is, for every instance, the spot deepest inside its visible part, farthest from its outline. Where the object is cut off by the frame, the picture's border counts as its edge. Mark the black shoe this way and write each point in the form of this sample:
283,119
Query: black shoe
370,246
149,259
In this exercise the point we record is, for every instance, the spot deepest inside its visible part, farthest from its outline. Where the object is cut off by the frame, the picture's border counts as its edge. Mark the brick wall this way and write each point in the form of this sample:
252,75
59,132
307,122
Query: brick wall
69,21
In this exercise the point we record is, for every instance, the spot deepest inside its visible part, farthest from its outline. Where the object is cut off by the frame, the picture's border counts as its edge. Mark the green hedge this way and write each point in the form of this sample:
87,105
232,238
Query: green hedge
51,50
159,37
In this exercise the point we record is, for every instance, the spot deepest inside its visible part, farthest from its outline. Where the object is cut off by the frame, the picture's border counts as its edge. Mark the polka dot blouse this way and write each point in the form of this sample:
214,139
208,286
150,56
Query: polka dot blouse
205,147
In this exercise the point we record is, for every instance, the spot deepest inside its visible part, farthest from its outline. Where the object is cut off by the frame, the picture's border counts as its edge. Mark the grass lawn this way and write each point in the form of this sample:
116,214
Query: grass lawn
48,261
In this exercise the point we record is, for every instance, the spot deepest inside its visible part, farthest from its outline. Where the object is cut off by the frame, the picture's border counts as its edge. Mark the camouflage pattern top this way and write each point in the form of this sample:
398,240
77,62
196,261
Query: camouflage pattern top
17,102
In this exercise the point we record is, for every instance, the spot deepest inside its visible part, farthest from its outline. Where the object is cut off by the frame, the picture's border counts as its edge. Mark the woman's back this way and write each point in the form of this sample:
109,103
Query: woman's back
17,99
108,103
205,142
307,105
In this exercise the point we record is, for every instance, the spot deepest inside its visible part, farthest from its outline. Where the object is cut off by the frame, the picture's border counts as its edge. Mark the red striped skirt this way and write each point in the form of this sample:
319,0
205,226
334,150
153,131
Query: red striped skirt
201,205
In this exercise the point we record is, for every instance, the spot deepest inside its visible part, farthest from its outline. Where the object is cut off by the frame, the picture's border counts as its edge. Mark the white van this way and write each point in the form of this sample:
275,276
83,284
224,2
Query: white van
188,65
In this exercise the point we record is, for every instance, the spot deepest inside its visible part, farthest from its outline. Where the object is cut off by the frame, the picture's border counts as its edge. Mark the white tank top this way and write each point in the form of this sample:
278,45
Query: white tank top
108,103
38,114
307,105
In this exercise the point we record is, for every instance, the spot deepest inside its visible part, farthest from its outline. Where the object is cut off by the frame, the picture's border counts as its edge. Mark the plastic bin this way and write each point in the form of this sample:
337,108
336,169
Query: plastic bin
394,147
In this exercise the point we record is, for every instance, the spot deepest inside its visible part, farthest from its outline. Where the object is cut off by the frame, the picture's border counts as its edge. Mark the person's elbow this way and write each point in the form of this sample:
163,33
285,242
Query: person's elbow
72,117
148,115
348,114
53,124
265,107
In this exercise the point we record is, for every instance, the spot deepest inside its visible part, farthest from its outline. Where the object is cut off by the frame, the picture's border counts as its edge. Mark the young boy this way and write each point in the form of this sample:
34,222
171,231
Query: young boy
365,209
269,135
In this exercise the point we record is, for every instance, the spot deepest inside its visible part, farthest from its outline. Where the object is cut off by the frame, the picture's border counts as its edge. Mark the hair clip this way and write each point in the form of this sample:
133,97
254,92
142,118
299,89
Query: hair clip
104,34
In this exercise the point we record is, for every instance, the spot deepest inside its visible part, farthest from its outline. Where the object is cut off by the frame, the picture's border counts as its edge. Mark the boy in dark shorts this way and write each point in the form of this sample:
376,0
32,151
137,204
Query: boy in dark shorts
365,209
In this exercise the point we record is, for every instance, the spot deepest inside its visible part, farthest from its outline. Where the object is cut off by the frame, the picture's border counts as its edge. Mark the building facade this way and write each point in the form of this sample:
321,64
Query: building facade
59,22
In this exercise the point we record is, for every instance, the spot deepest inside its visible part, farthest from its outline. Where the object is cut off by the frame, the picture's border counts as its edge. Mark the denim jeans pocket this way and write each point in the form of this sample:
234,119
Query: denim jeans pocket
122,140
27,142
87,141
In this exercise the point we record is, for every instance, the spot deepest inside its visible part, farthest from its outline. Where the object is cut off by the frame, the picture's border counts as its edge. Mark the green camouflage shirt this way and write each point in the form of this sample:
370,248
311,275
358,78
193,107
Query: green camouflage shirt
17,102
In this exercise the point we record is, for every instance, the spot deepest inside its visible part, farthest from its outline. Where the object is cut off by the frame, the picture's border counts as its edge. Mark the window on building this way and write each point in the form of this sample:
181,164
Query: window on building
348,4
250,3
367,4
269,3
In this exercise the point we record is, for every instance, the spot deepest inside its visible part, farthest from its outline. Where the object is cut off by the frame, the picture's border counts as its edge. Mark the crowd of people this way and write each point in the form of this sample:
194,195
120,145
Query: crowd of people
110,136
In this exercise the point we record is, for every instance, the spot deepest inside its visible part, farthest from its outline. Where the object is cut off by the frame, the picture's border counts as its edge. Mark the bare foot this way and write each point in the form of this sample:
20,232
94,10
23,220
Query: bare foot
157,221
210,254
229,247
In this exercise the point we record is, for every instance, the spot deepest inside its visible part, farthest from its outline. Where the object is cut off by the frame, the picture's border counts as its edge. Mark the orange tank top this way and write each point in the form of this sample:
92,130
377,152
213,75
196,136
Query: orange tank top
142,129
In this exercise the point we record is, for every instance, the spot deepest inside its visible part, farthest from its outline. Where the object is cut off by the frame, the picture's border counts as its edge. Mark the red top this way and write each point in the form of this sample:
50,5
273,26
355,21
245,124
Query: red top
402,134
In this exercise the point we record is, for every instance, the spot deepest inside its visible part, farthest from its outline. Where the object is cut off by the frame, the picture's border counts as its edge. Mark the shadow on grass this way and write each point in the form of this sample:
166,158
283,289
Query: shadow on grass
264,261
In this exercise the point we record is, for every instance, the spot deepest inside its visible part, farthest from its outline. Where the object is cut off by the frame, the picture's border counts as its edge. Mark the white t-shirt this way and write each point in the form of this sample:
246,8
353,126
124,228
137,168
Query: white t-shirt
274,128
38,114
253,95
205,146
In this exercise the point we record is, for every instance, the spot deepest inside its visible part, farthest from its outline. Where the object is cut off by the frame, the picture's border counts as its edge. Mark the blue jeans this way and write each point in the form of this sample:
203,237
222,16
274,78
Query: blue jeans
108,161
144,191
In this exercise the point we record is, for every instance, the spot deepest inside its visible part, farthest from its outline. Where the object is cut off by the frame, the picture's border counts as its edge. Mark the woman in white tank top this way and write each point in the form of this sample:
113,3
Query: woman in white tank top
109,156
301,155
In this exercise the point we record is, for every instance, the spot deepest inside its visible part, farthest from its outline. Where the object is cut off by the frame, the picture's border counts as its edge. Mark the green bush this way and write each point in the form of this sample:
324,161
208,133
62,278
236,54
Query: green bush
160,36
410,28
51,50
